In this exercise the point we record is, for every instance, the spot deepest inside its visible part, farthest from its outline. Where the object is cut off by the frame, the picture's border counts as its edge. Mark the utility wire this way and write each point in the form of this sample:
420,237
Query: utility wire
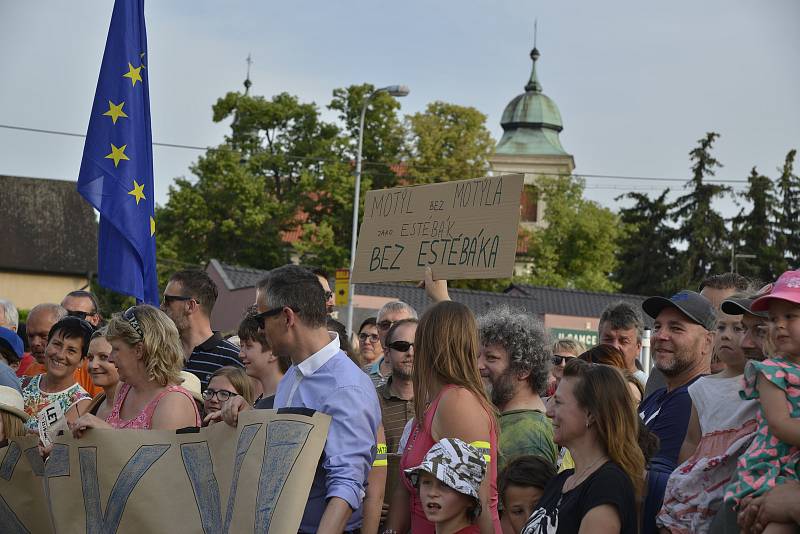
384,163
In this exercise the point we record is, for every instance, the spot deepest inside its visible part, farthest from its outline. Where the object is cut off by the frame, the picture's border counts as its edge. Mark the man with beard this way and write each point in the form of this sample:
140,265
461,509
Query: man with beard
396,395
682,344
188,300
514,364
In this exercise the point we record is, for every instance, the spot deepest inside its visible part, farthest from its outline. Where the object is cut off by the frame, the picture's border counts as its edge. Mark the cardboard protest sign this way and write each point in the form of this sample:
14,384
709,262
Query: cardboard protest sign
464,229
23,506
253,478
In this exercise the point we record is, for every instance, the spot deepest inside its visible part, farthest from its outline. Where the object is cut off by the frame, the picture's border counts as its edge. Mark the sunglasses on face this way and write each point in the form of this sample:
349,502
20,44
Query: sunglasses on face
363,337
81,314
557,359
261,317
385,325
169,299
222,394
130,316
400,346
328,295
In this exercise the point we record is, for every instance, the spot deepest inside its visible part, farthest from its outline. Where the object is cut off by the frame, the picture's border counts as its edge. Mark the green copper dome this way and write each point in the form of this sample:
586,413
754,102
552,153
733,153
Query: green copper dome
531,122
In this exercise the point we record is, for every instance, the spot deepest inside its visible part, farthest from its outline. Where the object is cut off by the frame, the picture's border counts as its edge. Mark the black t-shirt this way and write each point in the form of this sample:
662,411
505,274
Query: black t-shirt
265,403
562,513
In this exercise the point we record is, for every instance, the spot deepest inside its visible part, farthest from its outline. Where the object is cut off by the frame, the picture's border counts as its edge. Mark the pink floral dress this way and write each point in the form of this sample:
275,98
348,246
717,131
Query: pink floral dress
144,421
768,461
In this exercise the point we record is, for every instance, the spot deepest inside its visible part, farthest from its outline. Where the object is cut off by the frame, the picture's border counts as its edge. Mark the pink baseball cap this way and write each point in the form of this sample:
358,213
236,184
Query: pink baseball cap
786,288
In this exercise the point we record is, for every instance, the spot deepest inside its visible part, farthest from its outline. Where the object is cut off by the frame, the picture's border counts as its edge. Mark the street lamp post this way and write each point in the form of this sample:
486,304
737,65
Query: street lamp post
396,91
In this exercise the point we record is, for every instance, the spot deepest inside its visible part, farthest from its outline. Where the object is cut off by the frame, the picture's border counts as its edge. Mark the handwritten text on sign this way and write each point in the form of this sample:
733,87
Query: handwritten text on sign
464,229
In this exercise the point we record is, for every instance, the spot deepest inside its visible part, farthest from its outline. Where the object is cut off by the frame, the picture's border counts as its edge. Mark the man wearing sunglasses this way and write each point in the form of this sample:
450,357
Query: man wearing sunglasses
292,315
390,313
188,300
83,305
322,276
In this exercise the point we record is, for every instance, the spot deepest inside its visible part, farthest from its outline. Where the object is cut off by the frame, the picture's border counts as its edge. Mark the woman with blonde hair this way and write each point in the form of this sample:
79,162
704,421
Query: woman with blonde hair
146,349
593,416
227,382
449,402
564,350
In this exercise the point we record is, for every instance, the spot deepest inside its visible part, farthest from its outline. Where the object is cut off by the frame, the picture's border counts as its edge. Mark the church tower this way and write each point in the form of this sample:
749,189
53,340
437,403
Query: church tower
530,145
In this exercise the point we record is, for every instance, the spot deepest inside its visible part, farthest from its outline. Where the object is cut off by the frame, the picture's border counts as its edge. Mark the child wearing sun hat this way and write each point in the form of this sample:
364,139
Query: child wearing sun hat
448,481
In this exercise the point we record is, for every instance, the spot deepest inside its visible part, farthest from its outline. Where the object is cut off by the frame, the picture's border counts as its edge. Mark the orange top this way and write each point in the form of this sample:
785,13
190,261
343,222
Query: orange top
81,375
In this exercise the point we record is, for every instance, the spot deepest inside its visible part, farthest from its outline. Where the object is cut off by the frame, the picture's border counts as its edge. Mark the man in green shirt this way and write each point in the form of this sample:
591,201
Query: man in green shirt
514,363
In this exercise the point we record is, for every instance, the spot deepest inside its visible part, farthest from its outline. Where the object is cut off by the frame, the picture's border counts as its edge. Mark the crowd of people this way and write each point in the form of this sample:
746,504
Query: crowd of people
444,422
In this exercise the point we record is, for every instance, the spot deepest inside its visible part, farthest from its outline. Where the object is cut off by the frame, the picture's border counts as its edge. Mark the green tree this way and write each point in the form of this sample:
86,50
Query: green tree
577,247
646,256
383,131
447,142
755,232
700,228
787,214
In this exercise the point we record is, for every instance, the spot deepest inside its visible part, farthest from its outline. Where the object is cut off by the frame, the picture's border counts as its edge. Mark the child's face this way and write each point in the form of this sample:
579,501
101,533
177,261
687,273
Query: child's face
440,502
519,503
785,327
728,341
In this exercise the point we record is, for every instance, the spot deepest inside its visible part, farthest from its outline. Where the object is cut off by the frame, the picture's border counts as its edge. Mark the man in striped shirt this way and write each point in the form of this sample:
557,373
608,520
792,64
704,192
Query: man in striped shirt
188,300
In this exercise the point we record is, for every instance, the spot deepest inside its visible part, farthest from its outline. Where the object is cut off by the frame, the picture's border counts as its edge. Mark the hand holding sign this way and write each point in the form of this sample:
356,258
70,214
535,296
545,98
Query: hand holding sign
464,229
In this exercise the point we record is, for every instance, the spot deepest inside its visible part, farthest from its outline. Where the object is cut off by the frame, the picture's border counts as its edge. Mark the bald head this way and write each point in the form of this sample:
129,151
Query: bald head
40,320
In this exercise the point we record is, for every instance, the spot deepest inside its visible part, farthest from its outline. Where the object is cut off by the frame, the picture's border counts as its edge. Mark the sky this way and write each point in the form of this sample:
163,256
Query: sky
637,83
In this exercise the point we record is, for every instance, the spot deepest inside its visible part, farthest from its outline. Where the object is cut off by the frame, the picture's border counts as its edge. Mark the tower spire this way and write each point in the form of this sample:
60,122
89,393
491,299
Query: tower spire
247,82
533,84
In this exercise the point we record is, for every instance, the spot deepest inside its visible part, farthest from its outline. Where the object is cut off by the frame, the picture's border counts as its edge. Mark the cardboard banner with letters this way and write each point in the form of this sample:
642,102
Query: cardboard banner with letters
218,480
463,229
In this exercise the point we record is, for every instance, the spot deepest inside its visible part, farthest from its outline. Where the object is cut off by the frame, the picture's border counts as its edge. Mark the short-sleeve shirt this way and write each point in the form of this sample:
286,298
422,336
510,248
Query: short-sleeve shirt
210,355
37,400
666,414
562,513
526,432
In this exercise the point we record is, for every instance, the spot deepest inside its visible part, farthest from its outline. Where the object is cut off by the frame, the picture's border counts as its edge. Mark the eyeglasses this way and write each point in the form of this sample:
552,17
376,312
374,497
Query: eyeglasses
363,337
261,317
80,314
130,316
169,299
328,295
557,359
385,324
400,346
222,394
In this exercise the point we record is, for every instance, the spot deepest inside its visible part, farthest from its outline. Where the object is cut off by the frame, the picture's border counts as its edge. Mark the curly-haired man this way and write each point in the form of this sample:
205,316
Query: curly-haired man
514,362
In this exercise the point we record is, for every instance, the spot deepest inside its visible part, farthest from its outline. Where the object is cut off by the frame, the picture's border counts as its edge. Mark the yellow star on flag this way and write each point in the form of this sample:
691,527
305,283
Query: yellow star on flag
137,192
134,74
115,111
152,227
117,154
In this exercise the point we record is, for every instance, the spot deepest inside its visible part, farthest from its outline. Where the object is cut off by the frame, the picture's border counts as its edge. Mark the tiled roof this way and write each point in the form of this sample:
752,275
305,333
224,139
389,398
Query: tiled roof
572,302
534,299
47,227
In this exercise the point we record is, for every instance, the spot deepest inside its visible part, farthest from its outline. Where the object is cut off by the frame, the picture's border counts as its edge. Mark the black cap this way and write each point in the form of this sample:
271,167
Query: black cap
740,307
693,305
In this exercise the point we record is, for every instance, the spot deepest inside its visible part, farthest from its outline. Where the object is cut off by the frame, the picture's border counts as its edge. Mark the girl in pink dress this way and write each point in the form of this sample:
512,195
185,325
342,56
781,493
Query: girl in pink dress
146,349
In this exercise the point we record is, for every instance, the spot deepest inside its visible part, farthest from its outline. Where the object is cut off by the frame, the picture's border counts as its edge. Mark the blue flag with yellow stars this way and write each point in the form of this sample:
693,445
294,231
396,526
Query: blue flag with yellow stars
116,174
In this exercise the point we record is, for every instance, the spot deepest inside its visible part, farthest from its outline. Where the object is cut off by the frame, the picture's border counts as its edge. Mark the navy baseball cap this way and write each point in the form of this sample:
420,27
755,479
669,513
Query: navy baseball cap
694,306
12,340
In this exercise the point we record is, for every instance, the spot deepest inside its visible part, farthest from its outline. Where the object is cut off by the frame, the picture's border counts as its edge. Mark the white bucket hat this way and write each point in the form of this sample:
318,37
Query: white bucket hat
454,463
11,401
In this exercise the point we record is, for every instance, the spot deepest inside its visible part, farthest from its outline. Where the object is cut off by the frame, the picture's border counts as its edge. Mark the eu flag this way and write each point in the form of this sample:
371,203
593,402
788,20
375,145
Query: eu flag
116,174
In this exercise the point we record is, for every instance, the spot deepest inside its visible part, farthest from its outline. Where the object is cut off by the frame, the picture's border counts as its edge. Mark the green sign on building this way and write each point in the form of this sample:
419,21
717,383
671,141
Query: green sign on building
587,337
